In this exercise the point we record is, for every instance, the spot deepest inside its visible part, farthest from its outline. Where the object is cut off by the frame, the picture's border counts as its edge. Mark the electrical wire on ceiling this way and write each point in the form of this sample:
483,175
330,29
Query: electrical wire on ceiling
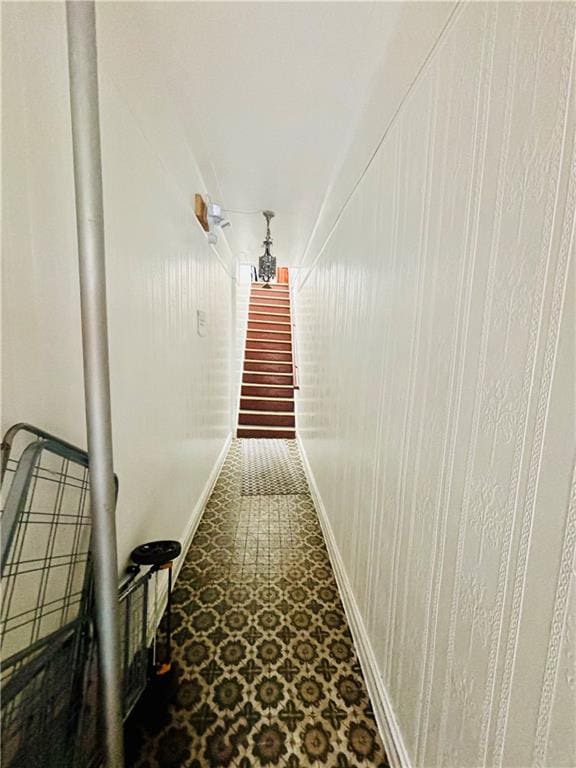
233,210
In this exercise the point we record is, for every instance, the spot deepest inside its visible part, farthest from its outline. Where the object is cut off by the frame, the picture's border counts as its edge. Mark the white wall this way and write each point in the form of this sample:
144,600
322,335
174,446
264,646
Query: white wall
170,387
436,409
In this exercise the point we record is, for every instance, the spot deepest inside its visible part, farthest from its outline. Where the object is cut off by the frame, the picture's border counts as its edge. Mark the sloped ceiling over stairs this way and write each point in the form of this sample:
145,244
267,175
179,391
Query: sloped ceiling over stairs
277,104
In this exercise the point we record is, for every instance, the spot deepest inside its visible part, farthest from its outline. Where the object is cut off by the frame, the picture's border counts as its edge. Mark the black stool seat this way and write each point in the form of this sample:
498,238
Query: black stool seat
156,552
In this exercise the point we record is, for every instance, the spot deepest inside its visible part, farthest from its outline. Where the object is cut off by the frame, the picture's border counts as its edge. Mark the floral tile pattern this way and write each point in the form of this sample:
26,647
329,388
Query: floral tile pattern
272,467
267,672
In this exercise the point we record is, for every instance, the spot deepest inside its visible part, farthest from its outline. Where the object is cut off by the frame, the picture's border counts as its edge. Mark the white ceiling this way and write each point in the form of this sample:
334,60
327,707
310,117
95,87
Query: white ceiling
267,97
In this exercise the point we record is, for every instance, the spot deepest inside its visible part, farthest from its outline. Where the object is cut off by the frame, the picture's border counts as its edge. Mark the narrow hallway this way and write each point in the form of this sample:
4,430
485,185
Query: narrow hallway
266,666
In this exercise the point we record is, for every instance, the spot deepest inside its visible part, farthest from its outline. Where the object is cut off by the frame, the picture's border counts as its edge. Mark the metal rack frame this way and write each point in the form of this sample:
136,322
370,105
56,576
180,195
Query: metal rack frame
50,680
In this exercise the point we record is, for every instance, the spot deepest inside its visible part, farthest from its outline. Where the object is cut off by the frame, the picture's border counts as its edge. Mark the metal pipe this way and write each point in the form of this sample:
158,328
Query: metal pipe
169,619
83,71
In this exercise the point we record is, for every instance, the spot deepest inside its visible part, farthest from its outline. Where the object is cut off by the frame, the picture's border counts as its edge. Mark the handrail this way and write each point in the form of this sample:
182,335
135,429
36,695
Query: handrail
244,335
295,381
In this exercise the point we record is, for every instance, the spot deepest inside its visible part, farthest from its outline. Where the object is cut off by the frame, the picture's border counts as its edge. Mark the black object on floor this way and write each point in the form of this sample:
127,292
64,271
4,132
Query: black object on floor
161,555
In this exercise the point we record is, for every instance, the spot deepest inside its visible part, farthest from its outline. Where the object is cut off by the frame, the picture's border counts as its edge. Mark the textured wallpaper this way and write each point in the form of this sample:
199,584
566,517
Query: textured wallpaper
171,409
436,338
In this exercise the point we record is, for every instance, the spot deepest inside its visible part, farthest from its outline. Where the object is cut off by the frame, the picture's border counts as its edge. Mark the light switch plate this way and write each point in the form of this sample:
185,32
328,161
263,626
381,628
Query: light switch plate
201,323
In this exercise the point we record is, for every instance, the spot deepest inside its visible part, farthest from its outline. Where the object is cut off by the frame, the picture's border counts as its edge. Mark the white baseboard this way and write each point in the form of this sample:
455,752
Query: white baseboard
189,532
201,503
381,704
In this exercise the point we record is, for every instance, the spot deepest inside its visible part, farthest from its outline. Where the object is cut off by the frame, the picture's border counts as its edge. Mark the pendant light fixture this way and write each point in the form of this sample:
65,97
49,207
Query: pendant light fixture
267,262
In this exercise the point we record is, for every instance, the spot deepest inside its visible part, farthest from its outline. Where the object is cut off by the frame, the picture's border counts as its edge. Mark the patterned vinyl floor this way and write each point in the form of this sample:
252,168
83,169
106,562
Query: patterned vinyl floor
267,671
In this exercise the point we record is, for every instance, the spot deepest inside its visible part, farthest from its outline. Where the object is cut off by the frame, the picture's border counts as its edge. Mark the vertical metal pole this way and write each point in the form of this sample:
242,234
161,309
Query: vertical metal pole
169,620
83,69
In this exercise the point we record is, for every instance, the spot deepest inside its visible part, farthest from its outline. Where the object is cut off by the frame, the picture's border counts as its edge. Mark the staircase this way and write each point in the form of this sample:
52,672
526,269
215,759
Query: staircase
267,394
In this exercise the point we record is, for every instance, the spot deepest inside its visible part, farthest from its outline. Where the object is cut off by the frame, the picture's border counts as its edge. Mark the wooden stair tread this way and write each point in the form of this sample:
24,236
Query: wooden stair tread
267,387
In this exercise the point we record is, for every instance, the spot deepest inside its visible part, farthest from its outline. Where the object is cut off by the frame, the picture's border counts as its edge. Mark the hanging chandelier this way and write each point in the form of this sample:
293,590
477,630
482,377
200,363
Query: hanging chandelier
267,262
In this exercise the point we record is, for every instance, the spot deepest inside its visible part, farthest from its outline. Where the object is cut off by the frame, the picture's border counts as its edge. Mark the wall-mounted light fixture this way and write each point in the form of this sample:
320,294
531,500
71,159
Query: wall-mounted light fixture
215,217
210,216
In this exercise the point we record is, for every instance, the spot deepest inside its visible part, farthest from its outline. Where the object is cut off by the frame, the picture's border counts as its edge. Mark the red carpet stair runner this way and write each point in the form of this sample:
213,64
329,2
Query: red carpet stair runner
267,395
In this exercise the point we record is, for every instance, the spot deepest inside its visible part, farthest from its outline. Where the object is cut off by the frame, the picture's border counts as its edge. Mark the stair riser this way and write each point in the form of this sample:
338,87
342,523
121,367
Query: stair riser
265,296
253,391
275,289
269,335
267,378
284,434
268,364
277,357
268,367
252,404
271,346
267,299
267,419
266,325
277,309
268,317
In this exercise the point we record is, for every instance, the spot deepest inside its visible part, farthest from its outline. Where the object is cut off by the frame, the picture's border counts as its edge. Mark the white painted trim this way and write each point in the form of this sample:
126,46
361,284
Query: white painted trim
186,539
202,501
382,706
234,420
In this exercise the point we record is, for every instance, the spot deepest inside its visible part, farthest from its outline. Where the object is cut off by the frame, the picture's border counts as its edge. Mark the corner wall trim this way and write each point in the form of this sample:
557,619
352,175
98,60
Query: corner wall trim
190,530
383,711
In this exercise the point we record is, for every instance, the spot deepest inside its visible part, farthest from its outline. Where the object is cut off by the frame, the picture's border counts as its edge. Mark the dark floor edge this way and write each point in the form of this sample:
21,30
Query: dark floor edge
381,704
